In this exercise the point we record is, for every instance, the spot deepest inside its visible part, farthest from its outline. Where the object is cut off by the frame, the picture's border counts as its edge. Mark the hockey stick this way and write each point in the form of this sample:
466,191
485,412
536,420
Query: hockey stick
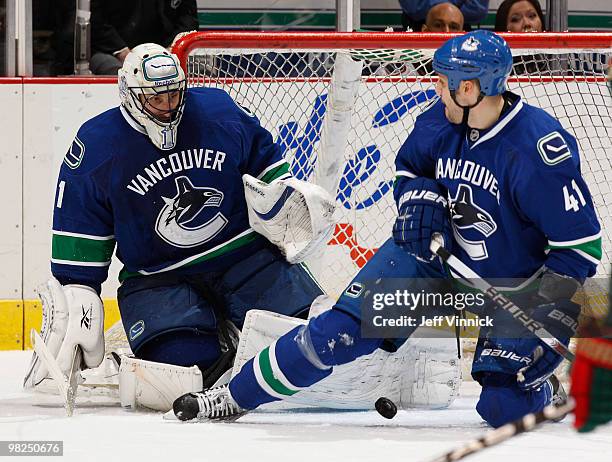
67,385
499,299
510,430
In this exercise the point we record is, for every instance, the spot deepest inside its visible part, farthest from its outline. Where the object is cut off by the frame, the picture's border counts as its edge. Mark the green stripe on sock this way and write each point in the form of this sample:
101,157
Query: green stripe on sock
79,249
268,374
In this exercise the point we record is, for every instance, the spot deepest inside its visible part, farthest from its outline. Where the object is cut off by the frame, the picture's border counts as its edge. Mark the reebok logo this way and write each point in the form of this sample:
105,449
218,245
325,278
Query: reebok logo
86,317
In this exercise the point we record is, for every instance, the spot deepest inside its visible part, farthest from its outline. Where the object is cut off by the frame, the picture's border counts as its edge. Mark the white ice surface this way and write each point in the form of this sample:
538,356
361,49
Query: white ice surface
102,431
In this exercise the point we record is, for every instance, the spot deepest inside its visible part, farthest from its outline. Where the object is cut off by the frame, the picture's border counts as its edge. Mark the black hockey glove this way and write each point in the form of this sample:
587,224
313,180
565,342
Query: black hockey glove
556,312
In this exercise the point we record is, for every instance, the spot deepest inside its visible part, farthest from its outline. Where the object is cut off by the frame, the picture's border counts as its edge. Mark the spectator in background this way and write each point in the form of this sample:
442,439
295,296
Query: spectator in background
414,12
523,16
443,17
519,16
119,25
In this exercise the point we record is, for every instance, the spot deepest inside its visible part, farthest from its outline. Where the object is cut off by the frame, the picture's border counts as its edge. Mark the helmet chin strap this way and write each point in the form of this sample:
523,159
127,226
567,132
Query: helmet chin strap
466,108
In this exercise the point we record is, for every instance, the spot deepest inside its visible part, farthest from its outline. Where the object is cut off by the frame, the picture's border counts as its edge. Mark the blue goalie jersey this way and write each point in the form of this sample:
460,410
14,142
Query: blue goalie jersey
518,201
181,210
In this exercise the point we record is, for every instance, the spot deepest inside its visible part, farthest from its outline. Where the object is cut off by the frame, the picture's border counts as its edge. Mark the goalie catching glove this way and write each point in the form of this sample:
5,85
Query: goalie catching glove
294,215
72,315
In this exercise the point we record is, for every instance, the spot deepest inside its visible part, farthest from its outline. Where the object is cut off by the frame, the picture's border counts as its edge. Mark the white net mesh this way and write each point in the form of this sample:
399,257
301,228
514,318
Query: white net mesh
289,91
375,103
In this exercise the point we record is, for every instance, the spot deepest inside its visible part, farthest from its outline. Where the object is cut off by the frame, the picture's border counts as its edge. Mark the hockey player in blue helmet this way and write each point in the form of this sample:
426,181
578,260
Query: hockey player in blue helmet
500,181
480,56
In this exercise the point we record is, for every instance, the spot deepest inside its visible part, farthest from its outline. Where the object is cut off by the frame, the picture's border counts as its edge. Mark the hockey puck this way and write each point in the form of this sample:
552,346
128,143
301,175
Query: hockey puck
385,408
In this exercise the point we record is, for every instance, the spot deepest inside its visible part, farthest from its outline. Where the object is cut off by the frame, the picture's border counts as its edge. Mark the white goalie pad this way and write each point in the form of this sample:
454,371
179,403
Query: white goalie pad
72,315
155,385
423,373
294,215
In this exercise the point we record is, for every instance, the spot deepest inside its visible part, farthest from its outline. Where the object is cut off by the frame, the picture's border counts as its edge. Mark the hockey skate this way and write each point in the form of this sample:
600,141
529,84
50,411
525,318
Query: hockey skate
214,404
559,397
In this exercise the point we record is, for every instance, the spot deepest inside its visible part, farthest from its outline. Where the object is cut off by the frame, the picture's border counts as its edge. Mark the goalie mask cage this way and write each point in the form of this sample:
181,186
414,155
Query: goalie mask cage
340,105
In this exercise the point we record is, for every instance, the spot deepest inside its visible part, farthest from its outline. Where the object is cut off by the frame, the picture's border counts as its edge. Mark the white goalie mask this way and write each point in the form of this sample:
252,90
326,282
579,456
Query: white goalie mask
152,89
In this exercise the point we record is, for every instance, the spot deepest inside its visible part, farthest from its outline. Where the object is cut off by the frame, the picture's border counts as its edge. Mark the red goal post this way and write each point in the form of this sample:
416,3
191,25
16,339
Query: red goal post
376,40
291,81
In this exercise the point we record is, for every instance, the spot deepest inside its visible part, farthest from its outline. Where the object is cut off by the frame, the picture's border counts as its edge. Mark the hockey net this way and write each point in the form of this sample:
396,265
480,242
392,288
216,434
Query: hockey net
345,102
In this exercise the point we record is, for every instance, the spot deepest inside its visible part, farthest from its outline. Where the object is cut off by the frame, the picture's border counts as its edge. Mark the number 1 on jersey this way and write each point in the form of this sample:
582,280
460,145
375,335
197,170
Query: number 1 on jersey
60,194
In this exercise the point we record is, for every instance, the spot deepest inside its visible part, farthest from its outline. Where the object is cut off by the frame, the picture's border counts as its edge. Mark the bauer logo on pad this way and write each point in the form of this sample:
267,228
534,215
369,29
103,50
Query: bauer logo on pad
553,149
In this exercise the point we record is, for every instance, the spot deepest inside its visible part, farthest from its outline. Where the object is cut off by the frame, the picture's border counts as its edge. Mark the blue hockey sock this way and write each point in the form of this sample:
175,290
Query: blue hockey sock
278,371
500,404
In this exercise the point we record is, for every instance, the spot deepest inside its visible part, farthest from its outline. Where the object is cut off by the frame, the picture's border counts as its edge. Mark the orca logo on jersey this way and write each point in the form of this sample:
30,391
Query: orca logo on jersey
179,221
466,214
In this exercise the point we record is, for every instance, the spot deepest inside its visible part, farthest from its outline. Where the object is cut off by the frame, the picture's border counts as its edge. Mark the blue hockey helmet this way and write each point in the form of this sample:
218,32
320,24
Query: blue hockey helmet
481,55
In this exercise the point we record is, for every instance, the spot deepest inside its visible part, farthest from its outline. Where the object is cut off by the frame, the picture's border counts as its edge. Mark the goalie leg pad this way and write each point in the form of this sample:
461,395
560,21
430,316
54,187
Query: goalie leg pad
155,385
300,358
432,376
423,373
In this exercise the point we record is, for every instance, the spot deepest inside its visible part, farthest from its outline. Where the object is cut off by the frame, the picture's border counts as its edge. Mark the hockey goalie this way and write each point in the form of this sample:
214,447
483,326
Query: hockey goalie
195,199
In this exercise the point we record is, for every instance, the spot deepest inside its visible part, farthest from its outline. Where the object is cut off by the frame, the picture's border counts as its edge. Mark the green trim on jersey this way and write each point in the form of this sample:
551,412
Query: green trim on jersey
592,248
275,173
81,249
222,249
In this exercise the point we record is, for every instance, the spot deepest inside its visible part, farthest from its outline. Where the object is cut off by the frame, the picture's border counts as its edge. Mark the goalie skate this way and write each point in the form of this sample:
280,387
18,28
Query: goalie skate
214,404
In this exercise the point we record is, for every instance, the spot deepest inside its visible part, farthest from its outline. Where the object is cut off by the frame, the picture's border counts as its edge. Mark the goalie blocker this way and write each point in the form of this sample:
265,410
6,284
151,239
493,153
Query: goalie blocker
72,315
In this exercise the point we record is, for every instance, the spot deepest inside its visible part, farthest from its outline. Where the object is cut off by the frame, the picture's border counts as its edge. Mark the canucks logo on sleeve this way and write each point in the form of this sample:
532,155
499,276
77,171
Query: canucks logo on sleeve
553,149
184,221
